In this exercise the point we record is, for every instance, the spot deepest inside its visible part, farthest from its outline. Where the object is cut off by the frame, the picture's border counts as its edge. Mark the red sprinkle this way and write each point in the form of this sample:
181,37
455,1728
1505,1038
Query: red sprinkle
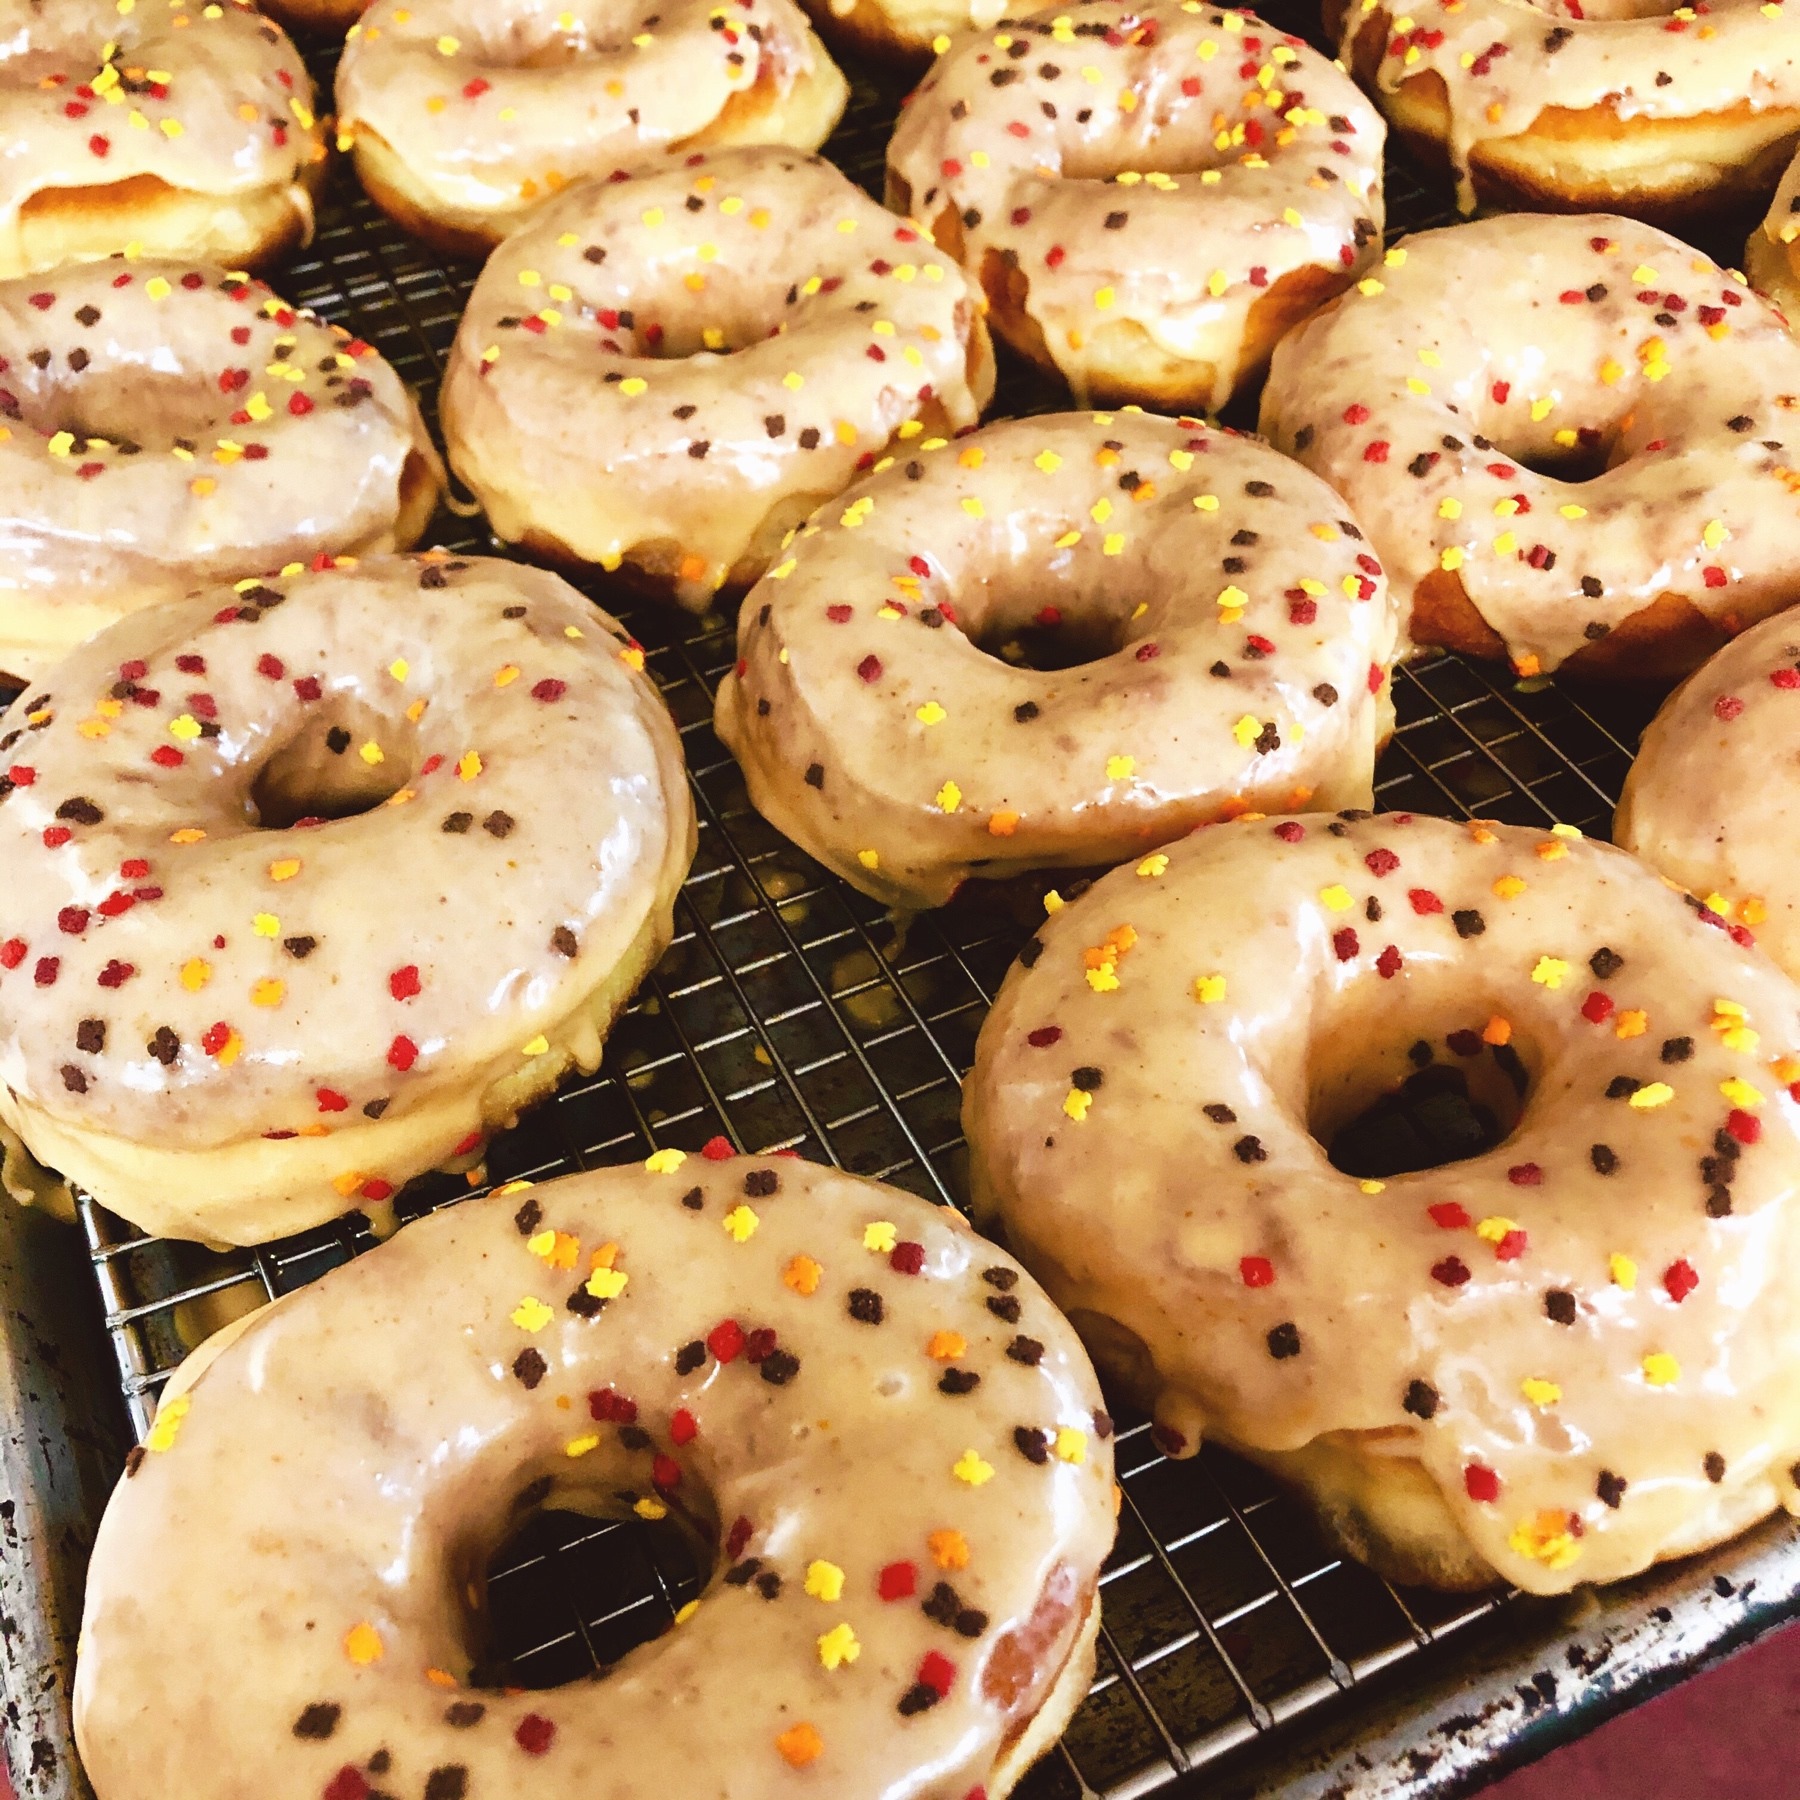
404,983
869,668
1745,1127
1597,1007
1727,707
665,1472
1526,1174
1044,1037
402,1054
1381,862
898,1581
1481,1484
549,689
534,1734
1447,1215
1680,1279
907,1258
609,1408
1257,1271
1344,942
937,1671
1511,1247
683,1428
726,1340
718,1149
1424,900
330,1100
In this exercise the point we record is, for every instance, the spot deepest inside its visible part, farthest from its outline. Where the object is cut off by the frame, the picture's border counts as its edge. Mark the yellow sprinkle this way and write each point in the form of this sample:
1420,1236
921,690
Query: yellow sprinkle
468,766
266,925
1119,768
157,288
1076,1103
1247,730
1651,1096
607,1284
948,797
284,868
1209,989
970,1468
825,1581
1336,897
1451,558
531,1314
1509,887
650,1508
931,714
1104,299
196,972
1549,972
1207,502
1715,534
372,753
839,1646
1661,1369
362,1644
665,1162
167,1425
1540,1392
582,1445
1048,461
1495,1229
267,992
1152,866
880,1236
1738,1091
1071,1445
741,1223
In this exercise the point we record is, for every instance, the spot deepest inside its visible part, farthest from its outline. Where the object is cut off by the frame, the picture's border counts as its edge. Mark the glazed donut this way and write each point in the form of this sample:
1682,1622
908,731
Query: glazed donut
1609,104
1770,257
1710,801
1149,195
1568,438
1557,1360
164,425
169,129
1211,636
885,1447
465,117
318,880
671,370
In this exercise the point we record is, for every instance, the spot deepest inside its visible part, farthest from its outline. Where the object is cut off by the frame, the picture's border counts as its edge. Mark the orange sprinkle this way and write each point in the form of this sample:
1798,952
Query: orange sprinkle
1002,824
800,1744
946,1346
802,1275
949,1549
1497,1031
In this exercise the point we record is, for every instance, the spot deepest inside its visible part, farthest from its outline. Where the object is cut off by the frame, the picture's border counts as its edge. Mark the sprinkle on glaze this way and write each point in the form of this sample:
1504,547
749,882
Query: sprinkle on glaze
674,367
1162,167
232,1031
1433,393
1582,1334
496,109
1711,801
166,425
887,1447
1215,630
210,99
1503,63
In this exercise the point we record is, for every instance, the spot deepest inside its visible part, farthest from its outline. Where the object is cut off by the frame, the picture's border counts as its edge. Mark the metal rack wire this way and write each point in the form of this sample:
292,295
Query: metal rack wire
791,1012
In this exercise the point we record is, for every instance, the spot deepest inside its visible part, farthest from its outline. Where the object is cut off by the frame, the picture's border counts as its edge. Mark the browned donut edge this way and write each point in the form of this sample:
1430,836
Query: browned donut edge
1504,170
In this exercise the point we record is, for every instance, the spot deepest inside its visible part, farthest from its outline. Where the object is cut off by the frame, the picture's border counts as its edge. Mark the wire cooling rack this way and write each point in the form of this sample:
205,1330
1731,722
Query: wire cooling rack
790,1012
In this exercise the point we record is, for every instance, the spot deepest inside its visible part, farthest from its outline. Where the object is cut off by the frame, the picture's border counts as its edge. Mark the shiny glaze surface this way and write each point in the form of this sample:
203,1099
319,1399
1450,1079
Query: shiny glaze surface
1712,800
1608,1292
667,360
177,977
775,1367
164,425
1229,630
1157,164
495,107
1502,62
212,99
1556,341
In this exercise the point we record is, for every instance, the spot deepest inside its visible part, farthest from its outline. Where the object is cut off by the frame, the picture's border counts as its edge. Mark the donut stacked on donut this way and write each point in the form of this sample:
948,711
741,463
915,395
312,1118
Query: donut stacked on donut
185,131
1212,631
887,1448
1711,800
1611,104
294,915
164,425
466,117
1149,195
1570,439
1559,1360
670,370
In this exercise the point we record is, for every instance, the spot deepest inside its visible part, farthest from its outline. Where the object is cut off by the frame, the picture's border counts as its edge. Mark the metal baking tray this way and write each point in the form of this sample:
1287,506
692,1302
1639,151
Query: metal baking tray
1238,1655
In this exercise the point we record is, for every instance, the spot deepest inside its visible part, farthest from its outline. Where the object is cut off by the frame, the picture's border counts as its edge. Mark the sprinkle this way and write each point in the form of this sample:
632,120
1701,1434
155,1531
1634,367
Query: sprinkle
970,1468
949,1549
741,1222
362,1644
946,1346
665,1162
1071,1444
1549,972
531,1314
825,1581
1654,1094
1509,887
1209,989
168,1423
948,797
1076,1104
800,1744
1622,1271
802,1275
880,1236
1336,897
582,1445
1152,866
1540,1392
1738,1091
1661,1369
839,1646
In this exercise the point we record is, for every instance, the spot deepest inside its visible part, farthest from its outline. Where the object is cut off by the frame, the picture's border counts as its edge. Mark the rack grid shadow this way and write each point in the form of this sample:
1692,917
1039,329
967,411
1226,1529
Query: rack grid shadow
792,1013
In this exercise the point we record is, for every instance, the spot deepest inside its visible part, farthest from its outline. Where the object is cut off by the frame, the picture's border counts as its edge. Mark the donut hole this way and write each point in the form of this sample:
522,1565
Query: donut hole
1029,632
1393,1105
736,309
115,401
321,773
567,1593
